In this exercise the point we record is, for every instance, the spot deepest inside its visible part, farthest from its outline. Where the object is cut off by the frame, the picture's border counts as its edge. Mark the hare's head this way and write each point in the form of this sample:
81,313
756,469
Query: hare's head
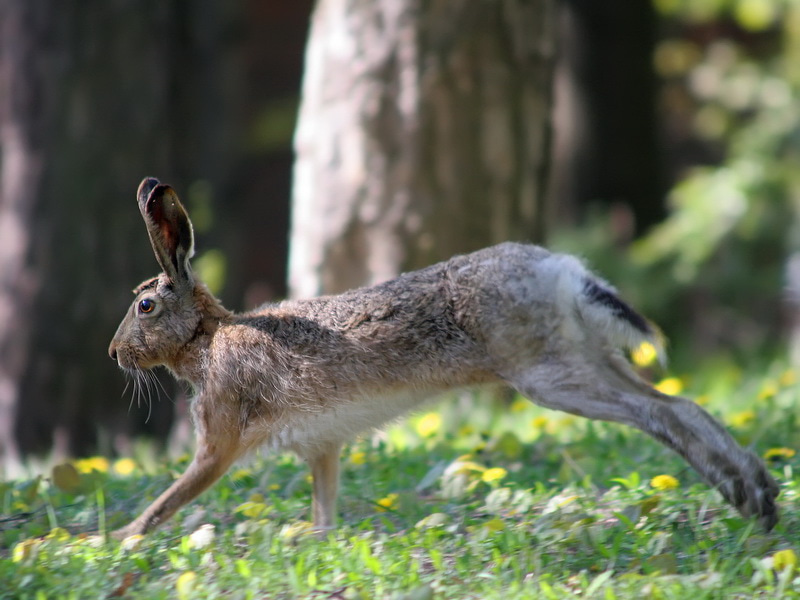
170,310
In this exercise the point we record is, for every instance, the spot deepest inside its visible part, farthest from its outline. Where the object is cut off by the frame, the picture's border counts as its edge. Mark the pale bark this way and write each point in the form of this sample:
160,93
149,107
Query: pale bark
24,112
423,132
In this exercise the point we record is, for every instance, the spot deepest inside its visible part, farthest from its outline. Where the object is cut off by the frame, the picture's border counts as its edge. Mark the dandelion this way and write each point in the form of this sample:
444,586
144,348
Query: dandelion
388,502
240,474
493,474
124,466
671,386
644,355
429,424
784,559
358,458
95,463
466,430
539,422
664,482
254,508
788,378
58,533
25,550
743,419
774,453
185,584
519,405
768,390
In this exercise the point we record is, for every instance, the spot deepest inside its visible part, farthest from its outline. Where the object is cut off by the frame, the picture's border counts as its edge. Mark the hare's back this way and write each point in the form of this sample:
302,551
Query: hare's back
430,328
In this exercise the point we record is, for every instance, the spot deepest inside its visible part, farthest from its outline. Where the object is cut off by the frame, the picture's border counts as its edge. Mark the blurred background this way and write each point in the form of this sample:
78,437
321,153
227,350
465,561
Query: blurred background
321,146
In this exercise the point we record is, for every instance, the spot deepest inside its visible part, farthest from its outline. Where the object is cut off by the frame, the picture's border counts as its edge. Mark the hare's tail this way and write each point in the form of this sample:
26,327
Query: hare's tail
601,312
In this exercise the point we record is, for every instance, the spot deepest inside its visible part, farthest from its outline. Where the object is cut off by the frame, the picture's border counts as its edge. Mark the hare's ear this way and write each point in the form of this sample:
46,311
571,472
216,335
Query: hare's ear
169,228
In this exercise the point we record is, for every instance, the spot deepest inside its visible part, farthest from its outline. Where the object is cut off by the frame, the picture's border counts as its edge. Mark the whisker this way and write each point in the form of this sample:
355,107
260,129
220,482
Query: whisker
149,376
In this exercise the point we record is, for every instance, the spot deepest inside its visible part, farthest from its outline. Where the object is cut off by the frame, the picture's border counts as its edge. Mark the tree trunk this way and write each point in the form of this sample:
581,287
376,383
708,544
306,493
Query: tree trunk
24,89
606,146
423,132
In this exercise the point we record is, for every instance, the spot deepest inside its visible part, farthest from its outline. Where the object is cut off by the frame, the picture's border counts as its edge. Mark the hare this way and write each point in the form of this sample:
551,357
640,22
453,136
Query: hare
308,375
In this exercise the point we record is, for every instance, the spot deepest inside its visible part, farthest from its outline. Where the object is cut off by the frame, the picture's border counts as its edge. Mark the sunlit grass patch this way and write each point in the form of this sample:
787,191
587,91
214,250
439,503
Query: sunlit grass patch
489,498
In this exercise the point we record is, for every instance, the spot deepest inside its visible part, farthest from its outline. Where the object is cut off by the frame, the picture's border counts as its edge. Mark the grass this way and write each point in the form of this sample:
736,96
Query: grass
475,500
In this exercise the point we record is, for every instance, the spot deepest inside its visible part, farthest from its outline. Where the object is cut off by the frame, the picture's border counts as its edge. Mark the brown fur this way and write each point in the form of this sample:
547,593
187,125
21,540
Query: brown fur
309,375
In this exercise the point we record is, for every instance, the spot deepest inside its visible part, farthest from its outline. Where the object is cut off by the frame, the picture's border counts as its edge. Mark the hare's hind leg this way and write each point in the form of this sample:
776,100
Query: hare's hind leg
324,465
610,394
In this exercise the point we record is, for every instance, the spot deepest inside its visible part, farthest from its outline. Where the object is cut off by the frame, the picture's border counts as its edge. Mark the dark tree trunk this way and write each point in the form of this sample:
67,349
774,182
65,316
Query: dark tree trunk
607,144
423,132
94,96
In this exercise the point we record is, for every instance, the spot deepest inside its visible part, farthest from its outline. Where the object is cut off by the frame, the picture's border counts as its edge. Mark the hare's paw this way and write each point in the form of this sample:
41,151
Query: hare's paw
752,490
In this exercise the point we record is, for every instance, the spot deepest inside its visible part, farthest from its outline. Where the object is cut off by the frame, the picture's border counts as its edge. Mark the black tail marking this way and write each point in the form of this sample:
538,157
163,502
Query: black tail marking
596,294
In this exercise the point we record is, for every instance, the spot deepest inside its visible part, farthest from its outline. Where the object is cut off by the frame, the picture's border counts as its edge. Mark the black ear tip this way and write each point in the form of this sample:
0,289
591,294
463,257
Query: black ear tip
159,191
145,188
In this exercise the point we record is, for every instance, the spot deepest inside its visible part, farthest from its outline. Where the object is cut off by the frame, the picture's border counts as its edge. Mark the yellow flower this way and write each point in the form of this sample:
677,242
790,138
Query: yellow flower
493,474
742,419
779,453
239,474
429,424
664,482
519,405
702,400
124,466
25,549
358,458
768,390
185,584
95,463
644,355
388,502
671,386
787,378
784,559
58,534
466,430
540,422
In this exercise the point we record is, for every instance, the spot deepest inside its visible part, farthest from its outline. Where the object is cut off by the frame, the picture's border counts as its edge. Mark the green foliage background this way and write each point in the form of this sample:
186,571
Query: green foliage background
713,273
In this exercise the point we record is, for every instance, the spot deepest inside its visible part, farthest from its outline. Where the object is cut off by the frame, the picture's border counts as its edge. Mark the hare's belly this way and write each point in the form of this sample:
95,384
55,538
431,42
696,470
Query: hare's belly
344,421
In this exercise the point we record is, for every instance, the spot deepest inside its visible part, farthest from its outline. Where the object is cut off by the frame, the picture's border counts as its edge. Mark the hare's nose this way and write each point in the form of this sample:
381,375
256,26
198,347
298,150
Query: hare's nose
112,352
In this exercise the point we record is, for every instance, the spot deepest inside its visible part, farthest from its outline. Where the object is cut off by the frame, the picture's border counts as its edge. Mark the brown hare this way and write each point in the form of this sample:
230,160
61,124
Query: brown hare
309,375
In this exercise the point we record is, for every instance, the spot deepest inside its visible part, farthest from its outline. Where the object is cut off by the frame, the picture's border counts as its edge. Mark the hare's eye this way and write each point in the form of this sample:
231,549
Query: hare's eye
147,306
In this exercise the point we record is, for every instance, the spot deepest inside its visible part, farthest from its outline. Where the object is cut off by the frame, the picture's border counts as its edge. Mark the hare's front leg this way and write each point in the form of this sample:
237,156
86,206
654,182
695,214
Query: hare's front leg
218,446
609,394
324,463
